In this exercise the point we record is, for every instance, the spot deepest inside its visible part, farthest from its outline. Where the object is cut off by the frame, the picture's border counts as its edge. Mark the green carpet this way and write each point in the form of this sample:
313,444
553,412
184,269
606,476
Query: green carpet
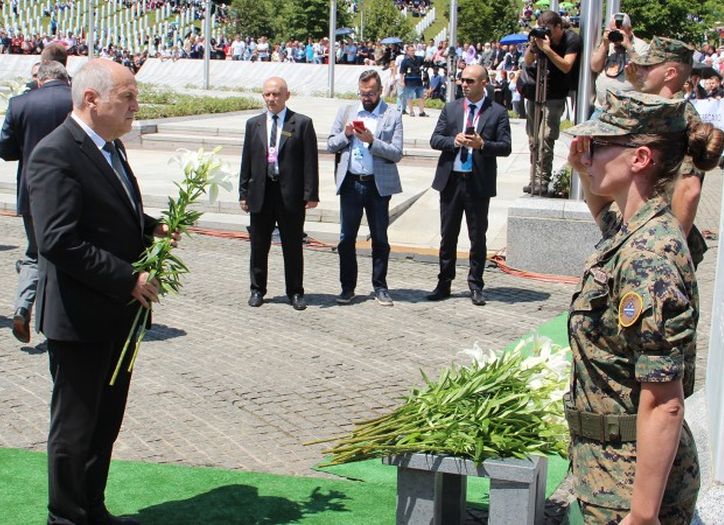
179,495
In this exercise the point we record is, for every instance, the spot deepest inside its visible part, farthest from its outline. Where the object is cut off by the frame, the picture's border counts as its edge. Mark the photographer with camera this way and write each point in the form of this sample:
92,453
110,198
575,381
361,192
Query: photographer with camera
618,45
555,51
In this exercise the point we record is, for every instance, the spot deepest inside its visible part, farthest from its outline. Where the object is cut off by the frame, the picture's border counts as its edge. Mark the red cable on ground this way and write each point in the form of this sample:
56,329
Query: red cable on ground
244,236
498,258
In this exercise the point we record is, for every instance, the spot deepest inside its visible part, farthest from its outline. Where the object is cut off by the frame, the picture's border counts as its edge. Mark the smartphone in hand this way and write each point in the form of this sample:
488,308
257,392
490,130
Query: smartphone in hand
358,125
470,130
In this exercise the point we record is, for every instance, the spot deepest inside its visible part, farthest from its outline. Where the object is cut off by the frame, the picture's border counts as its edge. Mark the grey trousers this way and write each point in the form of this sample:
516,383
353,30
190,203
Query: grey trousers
549,132
28,269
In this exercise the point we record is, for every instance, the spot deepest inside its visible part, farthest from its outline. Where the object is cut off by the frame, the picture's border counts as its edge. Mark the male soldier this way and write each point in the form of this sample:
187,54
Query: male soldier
662,71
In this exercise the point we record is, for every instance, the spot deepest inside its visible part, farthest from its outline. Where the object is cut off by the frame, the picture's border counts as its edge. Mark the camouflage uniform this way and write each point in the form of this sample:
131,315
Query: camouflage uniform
632,320
669,50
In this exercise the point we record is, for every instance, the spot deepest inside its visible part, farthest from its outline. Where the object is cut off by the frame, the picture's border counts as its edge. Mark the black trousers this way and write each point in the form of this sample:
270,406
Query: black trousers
454,200
85,418
291,230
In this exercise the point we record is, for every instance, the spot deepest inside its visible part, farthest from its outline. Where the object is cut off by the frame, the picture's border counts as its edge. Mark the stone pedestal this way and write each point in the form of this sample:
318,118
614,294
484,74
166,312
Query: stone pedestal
432,489
551,236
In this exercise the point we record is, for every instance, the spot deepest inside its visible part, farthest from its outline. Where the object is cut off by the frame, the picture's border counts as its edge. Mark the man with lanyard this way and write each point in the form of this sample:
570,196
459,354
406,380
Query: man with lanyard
470,133
367,137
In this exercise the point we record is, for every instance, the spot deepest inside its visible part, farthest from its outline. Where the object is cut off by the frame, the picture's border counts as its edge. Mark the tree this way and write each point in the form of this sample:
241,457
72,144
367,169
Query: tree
486,20
383,19
299,19
681,19
251,18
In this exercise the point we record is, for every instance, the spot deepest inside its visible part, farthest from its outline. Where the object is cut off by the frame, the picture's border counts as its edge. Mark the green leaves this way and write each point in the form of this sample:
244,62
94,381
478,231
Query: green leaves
201,171
477,412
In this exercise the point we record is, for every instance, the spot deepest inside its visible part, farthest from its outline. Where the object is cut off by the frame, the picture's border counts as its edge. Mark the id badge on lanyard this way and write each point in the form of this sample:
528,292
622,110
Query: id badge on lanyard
271,156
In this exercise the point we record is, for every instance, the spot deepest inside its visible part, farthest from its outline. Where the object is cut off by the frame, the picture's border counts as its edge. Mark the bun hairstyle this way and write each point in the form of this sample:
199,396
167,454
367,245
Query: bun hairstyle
705,145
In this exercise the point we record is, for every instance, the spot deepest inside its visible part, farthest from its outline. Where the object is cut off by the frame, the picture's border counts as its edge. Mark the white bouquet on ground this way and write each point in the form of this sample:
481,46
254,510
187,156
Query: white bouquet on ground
204,173
502,405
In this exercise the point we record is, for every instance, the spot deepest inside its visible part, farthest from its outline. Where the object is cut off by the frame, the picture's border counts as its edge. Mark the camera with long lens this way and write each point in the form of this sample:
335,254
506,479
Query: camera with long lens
539,32
615,36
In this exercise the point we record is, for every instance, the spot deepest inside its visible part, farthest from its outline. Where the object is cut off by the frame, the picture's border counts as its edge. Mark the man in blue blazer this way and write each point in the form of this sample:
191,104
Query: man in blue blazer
367,138
29,118
470,133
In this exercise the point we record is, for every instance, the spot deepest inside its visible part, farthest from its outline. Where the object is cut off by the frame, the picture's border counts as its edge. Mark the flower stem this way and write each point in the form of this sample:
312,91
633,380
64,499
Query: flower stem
125,346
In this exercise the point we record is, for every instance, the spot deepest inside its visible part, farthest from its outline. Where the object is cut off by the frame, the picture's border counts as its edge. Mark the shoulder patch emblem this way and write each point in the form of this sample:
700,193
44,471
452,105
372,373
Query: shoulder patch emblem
629,309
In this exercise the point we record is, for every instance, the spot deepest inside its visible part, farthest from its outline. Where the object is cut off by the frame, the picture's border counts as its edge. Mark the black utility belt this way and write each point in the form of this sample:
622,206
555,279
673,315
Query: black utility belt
601,427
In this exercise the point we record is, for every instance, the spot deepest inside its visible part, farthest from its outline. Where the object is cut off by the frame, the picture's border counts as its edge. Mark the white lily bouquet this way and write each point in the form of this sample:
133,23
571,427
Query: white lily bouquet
204,173
502,405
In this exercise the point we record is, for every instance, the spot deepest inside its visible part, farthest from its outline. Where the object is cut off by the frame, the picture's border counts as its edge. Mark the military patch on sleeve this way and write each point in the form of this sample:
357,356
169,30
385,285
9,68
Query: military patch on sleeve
629,309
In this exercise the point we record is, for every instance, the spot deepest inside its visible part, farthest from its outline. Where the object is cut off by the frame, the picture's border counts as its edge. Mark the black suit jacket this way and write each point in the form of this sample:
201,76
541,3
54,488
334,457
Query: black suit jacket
88,235
297,158
493,126
29,118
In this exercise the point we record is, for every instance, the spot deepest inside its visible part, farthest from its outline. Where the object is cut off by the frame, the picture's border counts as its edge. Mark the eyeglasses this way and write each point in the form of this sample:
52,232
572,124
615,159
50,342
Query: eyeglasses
468,80
598,143
368,94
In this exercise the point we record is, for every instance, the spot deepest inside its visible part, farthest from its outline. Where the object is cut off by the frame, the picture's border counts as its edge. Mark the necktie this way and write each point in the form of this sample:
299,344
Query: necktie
121,173
273,145
471,118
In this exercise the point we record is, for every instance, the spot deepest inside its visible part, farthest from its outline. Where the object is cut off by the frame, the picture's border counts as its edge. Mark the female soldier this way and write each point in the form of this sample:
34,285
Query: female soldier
632,323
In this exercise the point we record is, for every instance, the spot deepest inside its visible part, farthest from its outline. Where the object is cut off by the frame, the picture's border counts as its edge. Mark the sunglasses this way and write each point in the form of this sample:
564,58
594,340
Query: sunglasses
598,143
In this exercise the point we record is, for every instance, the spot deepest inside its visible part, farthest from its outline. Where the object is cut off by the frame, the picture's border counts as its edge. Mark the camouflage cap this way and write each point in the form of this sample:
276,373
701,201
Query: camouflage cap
663,49
631,112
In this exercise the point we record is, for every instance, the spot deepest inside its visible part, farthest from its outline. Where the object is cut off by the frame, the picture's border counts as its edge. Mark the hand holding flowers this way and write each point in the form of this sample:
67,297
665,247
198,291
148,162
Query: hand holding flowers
158,269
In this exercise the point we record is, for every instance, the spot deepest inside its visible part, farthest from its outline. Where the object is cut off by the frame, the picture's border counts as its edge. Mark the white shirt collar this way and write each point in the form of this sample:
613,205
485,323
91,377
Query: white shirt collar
478,104
95,137
282,115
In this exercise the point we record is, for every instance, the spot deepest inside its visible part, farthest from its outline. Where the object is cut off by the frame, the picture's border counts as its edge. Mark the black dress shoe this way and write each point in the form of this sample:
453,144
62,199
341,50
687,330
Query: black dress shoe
298,302
477,297
256,299
110,519
439,293
21,325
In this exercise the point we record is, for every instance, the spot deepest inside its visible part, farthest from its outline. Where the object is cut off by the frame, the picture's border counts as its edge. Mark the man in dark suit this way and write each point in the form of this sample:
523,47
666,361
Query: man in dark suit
470,133
90,228
279,181
29,118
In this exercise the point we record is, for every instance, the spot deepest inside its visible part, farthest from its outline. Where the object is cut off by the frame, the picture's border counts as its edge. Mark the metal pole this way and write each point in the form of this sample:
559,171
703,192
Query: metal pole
591,11
361,20
452,46
332,29
554,6
207,44
91,36
612,7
